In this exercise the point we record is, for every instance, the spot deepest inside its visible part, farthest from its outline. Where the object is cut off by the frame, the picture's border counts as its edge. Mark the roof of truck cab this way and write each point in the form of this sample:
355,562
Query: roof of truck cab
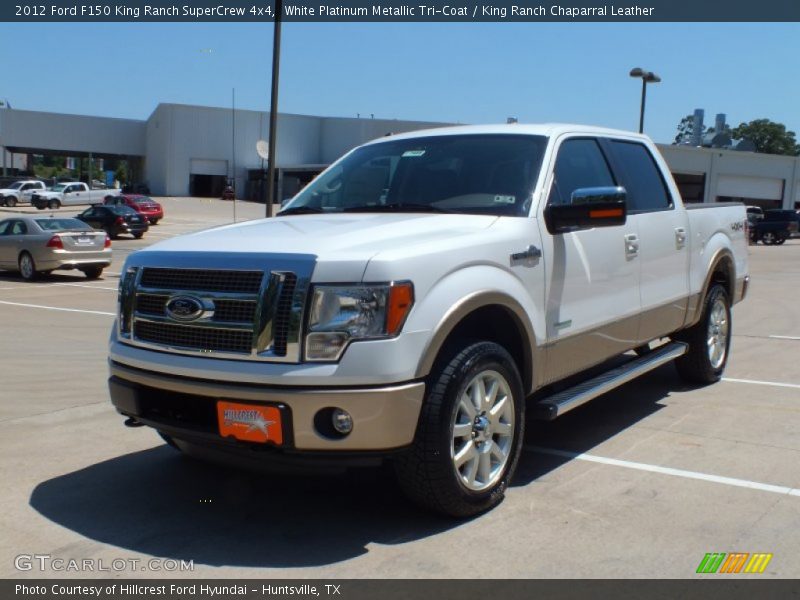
545,129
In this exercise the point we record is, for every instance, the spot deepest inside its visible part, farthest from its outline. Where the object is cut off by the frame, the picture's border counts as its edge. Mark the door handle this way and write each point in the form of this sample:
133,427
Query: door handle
631,245
680,237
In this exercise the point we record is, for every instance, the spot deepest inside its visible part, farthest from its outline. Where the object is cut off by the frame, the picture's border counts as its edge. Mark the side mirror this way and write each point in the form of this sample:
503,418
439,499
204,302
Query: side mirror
590,207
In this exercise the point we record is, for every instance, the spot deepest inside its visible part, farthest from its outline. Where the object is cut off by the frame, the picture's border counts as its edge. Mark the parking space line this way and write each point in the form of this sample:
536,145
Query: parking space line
88,287
732,481
756,382
78,310
785,337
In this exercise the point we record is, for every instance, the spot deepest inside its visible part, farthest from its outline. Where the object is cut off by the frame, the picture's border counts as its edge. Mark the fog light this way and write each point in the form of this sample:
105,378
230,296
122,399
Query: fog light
342,421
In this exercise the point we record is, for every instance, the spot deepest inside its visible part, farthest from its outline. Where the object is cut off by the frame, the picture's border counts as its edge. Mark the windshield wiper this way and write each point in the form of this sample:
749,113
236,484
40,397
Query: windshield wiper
299,210
396,207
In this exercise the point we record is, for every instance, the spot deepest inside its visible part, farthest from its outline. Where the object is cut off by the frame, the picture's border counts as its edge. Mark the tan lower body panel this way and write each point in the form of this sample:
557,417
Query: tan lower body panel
584,350
383,418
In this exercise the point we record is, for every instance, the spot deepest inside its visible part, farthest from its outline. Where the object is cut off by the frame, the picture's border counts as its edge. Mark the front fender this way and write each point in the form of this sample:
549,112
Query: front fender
462,292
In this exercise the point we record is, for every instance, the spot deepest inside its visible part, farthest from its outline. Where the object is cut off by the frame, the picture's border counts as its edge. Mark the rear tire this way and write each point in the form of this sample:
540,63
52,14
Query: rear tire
93,272
27,267
138,236
11,202
469,435
709,340
54,204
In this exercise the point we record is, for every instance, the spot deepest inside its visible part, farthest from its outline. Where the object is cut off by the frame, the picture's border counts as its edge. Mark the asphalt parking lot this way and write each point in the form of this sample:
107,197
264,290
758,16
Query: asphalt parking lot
640,483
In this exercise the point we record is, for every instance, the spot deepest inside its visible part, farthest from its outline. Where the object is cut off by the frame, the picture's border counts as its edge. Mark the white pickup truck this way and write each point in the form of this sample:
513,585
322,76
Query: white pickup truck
423,293
20,192
74,193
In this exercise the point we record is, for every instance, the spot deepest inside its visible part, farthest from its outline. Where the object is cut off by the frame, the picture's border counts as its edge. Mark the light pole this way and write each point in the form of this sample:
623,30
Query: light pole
646,77
273,107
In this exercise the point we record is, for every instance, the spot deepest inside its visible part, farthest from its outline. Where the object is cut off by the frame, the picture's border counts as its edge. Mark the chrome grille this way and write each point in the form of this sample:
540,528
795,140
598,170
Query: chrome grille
245,282
248,314
151,304
196,338
283,313
225,311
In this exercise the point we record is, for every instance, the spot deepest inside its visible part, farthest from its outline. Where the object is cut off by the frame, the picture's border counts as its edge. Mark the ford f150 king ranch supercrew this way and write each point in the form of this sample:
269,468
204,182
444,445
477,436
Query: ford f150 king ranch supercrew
409,302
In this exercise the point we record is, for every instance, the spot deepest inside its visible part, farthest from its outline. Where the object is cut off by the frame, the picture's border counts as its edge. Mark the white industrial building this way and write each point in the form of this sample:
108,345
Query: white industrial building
183,150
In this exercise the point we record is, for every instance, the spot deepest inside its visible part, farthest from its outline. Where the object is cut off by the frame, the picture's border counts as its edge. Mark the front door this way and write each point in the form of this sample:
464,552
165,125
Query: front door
593,304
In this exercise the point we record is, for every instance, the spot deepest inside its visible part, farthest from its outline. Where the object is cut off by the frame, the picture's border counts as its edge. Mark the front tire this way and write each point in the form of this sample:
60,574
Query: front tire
709,340
11,202
469,434
54,204
27,267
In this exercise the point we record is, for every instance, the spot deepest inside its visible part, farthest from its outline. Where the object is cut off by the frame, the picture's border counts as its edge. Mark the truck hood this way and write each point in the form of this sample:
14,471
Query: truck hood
349,236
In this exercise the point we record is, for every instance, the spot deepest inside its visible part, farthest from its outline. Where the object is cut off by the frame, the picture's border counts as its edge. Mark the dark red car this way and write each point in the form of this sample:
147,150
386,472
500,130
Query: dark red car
144,205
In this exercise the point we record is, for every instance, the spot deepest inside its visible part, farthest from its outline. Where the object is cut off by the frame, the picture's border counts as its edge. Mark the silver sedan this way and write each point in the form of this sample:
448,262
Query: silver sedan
36,245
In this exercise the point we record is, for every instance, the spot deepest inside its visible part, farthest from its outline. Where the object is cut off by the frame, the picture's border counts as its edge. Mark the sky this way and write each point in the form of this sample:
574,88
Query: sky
465,73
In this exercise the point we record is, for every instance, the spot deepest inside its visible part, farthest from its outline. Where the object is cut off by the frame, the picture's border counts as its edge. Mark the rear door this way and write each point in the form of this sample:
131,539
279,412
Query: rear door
592,277
663,229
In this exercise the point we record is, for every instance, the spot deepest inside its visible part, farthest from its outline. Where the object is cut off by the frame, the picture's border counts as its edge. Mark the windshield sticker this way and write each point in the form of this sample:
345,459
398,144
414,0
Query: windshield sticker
413,153
505,199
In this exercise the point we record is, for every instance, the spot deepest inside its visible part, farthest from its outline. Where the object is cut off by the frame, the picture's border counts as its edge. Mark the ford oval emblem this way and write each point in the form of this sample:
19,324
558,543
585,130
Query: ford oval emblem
184,308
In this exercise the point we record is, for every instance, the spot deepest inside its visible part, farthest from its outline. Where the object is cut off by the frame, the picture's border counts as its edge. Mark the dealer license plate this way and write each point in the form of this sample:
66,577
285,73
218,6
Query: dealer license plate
250,422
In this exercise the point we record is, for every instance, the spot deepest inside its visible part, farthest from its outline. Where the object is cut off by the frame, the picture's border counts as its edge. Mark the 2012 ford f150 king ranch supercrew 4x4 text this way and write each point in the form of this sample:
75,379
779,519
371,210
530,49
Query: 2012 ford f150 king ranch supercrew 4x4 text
419,296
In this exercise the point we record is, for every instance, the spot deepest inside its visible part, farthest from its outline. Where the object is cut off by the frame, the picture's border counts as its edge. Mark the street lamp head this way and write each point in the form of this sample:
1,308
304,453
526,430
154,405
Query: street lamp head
651,77
637,72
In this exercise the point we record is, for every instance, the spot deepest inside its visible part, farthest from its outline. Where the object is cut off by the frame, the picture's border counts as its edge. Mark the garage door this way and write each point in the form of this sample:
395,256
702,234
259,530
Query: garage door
762,188
205,166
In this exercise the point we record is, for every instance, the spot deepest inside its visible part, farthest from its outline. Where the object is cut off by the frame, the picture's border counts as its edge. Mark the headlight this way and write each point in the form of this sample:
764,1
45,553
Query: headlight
341,314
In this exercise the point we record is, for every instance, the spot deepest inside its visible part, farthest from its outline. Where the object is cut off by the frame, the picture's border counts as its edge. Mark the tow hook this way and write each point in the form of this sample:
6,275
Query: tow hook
131,422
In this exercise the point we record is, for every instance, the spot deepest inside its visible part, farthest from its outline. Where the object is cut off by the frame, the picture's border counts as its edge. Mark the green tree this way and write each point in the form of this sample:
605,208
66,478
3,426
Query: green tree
685,130
769,137
121,172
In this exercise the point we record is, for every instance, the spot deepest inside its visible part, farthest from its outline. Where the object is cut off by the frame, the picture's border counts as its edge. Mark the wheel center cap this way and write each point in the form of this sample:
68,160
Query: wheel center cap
482,428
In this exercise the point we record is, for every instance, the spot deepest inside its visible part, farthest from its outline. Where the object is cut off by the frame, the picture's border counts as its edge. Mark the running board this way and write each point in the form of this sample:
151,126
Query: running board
557,404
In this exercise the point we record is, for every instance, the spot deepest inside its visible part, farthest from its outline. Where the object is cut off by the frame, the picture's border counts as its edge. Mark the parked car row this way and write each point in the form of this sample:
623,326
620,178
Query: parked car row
37,245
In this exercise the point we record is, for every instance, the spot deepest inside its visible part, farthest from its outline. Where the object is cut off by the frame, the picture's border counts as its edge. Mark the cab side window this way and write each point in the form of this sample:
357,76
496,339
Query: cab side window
641,176
580,164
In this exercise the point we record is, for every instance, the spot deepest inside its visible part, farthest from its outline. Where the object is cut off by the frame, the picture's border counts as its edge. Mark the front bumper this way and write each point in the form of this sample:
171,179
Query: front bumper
384,418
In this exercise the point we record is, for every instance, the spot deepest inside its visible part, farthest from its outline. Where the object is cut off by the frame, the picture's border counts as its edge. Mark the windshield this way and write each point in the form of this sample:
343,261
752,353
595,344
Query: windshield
15,186
59,187
477,174
60,224
143,200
